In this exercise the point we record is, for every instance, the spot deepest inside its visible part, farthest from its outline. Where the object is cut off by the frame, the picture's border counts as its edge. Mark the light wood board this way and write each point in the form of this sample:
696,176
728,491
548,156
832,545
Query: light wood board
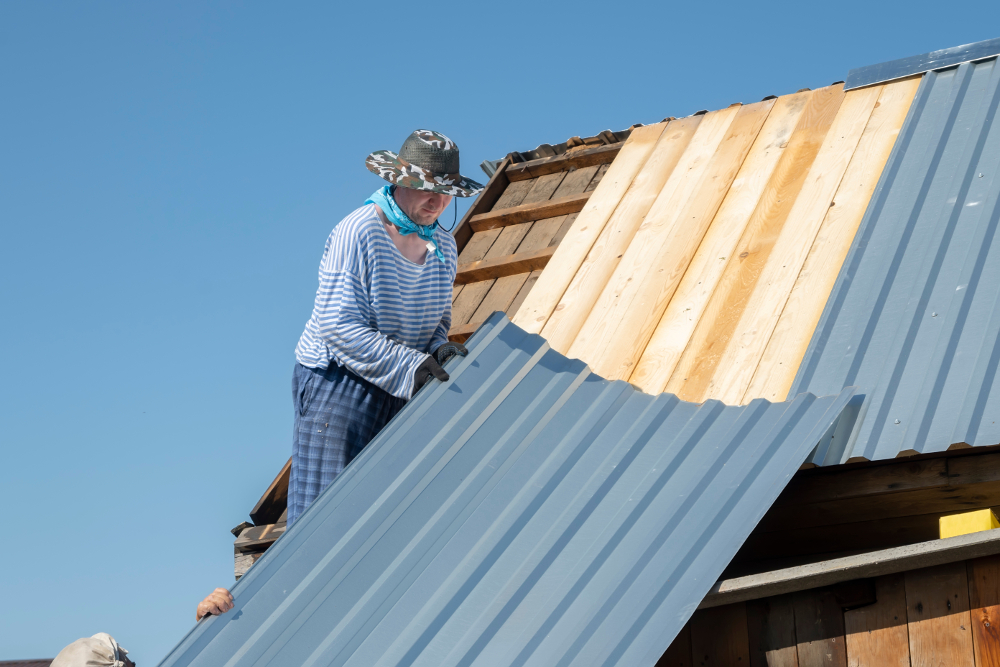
686,307
721,315
787,345
592,274
738,361
615,335
542,300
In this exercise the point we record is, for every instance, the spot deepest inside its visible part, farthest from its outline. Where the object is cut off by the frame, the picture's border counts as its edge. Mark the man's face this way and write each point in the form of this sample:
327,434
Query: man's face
421,206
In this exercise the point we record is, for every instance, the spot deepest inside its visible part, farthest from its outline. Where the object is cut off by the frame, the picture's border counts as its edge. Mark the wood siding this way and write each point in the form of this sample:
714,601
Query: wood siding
943,616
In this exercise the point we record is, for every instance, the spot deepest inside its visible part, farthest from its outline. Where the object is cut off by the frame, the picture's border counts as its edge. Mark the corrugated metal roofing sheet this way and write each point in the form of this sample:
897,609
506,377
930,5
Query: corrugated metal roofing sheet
526,512
913,320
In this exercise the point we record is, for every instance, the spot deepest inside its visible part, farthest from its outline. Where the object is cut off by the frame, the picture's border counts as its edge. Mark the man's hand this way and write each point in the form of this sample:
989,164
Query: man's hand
449,350
429,367
218,602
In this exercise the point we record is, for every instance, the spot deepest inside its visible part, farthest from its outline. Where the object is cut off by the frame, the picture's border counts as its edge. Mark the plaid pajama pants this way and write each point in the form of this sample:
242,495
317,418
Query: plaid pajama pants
337,413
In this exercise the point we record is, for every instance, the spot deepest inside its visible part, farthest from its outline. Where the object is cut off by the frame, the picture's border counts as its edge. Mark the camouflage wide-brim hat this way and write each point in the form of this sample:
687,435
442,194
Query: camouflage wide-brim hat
428,160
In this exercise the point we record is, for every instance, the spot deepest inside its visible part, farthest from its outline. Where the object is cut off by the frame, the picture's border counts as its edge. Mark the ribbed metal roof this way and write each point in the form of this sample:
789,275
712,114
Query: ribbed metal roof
914,319
526,512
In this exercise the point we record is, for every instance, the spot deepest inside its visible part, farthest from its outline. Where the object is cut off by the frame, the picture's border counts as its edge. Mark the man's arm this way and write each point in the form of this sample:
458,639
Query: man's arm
364,350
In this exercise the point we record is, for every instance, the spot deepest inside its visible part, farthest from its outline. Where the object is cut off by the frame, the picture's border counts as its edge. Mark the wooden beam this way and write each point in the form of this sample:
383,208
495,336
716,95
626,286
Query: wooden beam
529,212
484,202
462,332
485,269
270,506
259,538
861,566
585,157
902,488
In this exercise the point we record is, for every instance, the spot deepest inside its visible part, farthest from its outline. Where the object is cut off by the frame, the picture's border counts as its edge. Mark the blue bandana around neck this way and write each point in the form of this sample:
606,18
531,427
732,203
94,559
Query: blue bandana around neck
384,200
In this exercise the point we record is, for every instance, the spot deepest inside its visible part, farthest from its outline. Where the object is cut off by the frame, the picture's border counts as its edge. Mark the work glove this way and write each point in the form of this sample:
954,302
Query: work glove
425,370
449,350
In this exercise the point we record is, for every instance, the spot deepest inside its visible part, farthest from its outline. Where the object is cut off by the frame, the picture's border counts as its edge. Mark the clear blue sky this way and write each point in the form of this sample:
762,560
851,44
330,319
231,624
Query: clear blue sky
169,173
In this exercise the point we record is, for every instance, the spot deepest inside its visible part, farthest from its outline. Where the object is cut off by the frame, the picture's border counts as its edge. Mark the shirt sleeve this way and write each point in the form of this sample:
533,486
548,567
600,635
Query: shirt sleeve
345,319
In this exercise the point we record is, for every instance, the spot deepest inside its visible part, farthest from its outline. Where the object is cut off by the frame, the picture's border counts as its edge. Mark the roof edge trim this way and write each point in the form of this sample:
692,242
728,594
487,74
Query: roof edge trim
904,67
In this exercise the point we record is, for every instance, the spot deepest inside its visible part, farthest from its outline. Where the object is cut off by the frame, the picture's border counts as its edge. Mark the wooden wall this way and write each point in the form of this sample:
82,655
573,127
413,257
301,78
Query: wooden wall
703,260
943,616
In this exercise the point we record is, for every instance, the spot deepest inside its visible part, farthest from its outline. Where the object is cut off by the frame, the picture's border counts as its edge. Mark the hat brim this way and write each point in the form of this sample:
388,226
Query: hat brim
388,166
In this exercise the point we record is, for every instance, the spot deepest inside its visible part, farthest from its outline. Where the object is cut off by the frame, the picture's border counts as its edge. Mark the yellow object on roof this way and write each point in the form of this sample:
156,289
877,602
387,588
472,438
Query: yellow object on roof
968,522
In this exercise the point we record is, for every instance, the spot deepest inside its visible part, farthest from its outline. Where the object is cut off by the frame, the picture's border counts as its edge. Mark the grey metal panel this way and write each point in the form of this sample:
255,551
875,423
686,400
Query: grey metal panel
935,60
526,512
914,318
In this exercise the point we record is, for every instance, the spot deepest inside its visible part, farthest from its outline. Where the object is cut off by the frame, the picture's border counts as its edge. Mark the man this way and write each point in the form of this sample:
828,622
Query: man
379,326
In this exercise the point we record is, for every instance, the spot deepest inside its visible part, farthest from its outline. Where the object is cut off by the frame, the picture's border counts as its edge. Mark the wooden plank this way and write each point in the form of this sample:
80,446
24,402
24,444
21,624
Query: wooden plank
535,310
505,289
771,629
945,485
575,278
270,506
542,233
720,315
876,634
506,242
479,244
984,603
836,539
838,483
487,200
509,265
787,345
695,290
938,620
943,500
738,361
819,629
529,212
522,295
461,333
678,654
598,177
858,566
719,636
584,157
629,308
259,537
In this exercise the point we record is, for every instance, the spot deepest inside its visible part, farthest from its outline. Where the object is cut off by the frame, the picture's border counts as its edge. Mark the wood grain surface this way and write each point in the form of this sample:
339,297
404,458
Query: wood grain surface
542,300
738,362
685,309
876,634
984,602
719,637
787,346
616,333
594,265
938,620
771,629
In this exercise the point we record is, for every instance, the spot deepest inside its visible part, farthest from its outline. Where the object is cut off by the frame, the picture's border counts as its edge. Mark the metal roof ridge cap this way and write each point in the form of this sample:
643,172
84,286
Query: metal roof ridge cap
891,70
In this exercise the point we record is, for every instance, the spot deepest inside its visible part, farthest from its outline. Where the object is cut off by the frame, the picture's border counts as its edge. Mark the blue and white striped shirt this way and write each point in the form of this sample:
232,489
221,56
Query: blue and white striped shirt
376,312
